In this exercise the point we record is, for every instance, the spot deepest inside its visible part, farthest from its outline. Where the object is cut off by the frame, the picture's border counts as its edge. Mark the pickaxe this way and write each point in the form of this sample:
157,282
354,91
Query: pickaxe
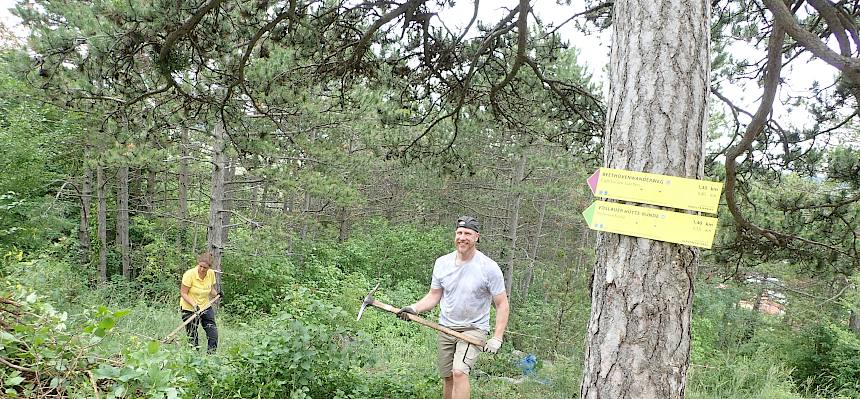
370,301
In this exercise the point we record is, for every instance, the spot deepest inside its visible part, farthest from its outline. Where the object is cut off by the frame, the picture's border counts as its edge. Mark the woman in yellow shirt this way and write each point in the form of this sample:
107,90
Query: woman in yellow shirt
198,286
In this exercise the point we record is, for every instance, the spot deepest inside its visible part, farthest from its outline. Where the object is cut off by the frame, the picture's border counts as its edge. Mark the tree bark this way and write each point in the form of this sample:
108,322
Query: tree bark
151,184
215,231
305,215
226,214
84,227
527,281
854,322
102,222
182,234
638,339
342,223
122,221
514,220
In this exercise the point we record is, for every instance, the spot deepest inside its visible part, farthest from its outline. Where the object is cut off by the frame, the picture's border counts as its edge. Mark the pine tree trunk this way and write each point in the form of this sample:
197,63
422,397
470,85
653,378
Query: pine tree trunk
527,281
342,224
638,339
182,234
102,222
151,185
84,227
227,206
215,230
854,322
514,220
306,208
122,220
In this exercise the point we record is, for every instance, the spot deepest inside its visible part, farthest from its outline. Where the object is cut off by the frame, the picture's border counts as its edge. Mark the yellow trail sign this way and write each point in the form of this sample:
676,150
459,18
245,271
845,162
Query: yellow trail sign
654,189
655,224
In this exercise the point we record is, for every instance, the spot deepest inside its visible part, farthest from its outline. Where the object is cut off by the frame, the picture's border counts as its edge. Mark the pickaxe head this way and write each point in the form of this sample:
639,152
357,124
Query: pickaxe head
367,301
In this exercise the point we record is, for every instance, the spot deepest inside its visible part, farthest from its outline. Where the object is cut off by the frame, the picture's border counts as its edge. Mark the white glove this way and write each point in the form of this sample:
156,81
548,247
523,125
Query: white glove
493,345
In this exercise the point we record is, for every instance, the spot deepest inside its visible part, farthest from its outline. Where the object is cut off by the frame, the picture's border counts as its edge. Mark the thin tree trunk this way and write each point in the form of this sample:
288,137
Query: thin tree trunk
854,322
343,224
559,233
306,208
182,234
122,220
527,281
215,230
84,227
102,222
151,185
514,221
263,203
194,228
638,337
226,213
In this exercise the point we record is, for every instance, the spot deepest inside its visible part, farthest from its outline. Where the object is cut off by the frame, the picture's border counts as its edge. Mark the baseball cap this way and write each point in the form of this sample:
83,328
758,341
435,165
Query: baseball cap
469,223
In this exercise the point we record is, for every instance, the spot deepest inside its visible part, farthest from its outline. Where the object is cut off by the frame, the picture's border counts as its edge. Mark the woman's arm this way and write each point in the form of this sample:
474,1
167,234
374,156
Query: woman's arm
183,291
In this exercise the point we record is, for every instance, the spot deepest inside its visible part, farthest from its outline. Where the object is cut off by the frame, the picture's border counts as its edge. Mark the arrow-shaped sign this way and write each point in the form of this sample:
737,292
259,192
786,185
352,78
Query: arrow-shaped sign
654,189
655,224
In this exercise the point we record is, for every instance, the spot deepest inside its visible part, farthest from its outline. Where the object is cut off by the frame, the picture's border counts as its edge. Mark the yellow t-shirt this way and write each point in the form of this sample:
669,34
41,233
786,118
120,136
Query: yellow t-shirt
199,289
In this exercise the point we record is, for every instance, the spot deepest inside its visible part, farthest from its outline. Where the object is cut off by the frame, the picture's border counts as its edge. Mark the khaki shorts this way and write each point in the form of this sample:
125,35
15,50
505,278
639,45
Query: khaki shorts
455,354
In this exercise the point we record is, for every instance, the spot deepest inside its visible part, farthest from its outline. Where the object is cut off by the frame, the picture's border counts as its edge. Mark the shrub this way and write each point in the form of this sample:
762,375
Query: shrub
826,360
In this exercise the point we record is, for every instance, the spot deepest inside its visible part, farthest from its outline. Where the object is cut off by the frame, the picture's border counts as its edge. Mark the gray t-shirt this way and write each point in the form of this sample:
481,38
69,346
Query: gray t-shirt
467,290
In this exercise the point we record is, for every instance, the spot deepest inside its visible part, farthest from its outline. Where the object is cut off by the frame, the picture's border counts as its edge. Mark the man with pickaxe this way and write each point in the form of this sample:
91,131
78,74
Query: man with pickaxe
465,282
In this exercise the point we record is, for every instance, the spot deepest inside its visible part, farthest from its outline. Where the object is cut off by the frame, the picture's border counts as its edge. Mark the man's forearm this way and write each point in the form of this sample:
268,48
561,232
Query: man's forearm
502,312
428,302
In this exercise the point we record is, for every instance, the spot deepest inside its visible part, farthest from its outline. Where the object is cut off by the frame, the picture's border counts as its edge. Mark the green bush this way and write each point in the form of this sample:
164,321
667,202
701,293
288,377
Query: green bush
256,287
826,360
289,358
735,352
391,253
48,352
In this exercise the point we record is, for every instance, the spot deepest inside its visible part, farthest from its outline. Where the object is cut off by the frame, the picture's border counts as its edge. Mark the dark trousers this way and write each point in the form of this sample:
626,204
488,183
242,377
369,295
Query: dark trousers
207,318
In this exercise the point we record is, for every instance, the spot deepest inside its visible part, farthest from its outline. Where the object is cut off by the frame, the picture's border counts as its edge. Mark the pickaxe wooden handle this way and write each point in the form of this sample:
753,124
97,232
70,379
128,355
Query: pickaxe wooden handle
169,338
418,319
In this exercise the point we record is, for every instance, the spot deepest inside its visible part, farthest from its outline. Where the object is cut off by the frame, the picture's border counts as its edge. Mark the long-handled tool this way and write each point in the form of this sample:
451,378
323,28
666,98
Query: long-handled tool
370,301
169,338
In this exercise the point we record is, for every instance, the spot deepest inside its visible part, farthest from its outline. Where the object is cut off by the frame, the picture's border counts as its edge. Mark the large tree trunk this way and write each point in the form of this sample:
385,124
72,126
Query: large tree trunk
122,220
638,340
102,222
84,227
181,236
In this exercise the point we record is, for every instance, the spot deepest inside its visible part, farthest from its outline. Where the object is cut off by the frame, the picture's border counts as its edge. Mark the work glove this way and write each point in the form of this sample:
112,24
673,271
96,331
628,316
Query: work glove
221,295
196,308
402,314
493,345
